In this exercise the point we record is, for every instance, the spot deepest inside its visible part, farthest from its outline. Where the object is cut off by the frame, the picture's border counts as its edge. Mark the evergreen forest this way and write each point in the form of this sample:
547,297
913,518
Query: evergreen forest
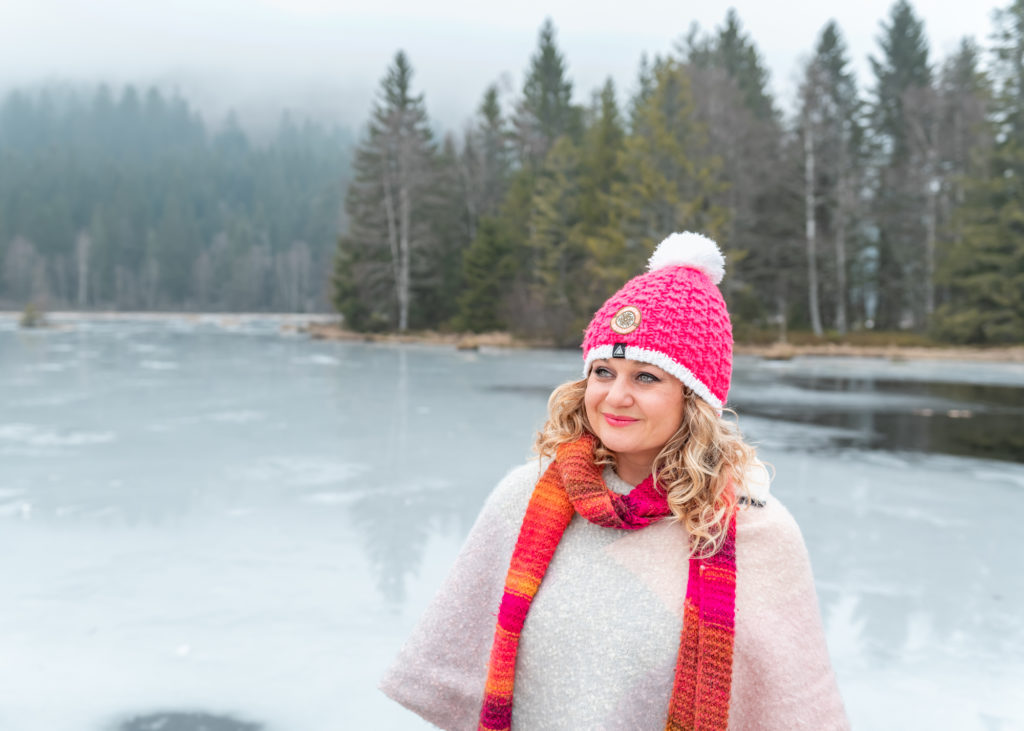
129,201
889,204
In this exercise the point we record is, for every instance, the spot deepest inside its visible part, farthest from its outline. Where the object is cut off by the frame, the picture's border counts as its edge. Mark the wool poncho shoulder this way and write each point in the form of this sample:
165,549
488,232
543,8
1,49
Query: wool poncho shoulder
598,650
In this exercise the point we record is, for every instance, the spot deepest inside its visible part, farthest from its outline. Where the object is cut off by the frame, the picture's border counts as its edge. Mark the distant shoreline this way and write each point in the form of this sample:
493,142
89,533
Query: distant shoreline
79,315
775,351
324,326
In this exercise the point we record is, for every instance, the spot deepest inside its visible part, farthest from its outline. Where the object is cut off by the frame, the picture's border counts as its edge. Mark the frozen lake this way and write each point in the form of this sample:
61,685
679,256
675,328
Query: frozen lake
208,523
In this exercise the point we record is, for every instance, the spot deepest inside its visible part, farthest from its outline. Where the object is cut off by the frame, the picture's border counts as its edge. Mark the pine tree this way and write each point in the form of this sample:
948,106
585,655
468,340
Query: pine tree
553,243
487,272
395,172
967,138
759,192
438,277
645,75
546,132
670,173
348,289
485,163
984,270
736,54
902,74
903,65
545,111
602,206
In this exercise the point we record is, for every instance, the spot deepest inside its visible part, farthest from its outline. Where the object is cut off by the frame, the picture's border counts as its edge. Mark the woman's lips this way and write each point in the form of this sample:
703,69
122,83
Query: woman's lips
618,420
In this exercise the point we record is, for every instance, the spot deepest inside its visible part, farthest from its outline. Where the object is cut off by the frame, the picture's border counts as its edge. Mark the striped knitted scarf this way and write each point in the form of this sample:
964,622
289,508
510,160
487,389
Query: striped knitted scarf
574,484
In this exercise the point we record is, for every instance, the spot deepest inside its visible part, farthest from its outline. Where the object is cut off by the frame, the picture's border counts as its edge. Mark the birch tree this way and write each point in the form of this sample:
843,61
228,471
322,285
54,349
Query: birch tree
810,228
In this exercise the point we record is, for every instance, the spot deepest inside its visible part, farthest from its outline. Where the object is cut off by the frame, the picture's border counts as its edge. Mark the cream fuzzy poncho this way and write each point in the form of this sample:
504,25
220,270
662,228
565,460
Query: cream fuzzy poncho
598,649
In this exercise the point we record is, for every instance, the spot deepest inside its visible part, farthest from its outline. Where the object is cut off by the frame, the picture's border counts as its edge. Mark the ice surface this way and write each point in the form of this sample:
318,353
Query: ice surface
252,534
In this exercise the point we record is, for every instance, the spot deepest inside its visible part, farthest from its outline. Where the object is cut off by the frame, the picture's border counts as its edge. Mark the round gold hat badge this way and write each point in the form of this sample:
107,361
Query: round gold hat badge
626,320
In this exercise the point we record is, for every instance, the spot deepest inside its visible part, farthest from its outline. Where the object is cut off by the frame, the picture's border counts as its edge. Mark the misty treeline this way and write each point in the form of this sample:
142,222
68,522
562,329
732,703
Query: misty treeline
128,200
896,205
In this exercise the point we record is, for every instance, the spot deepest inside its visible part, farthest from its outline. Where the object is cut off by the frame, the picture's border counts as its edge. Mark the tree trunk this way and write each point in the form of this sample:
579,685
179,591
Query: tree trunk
403,253
931,216
82,255
840,240
472,190
842,205
809,220
780,309
389,214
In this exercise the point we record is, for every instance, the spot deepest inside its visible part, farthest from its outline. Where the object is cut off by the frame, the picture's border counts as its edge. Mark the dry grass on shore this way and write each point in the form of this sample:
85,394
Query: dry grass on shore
462,341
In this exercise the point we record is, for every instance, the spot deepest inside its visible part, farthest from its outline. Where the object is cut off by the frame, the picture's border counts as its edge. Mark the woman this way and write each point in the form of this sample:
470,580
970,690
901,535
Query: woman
639,576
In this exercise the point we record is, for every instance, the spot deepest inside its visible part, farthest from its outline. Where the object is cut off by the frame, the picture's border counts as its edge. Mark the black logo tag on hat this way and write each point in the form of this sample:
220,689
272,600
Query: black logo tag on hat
619,350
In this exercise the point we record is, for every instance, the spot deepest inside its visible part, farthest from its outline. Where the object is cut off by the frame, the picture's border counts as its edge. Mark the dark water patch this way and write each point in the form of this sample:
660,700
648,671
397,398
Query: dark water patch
1009,397
187,721
985,422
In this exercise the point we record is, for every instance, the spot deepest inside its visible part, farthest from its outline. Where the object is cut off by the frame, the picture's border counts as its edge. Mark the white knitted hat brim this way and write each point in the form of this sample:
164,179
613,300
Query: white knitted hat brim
662,361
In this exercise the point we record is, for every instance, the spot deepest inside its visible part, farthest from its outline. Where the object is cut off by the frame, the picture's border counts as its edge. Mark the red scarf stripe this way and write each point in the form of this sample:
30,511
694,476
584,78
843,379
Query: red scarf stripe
682,704
572,484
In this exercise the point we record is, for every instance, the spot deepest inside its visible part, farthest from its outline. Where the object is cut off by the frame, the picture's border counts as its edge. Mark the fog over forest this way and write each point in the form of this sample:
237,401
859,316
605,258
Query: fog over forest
325,59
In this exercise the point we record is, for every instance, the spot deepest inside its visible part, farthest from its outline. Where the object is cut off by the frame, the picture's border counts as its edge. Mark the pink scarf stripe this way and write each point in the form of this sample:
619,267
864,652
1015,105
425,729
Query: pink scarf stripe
700,697
718,620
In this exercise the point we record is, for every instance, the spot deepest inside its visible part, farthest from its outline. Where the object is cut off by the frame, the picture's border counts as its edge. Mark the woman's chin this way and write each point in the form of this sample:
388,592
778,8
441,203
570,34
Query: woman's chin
618,443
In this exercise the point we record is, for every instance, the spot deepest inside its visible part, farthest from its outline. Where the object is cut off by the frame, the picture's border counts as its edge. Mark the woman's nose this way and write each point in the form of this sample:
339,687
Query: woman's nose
620,392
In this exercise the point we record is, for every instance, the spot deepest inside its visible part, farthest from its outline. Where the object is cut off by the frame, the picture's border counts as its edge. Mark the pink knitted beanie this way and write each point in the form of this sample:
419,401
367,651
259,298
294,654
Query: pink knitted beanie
673,316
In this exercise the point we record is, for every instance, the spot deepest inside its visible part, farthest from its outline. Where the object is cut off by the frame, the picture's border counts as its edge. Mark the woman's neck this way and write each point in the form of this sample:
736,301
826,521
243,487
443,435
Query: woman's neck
632,472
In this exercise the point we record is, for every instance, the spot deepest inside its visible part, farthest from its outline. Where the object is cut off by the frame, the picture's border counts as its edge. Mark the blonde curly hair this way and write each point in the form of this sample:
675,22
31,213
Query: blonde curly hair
702,466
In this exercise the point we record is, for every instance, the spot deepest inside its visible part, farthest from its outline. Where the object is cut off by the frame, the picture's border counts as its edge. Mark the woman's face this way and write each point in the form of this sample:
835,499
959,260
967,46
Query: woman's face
633,408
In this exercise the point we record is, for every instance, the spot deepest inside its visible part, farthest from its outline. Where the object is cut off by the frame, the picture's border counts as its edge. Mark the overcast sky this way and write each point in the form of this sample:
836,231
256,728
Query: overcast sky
326,57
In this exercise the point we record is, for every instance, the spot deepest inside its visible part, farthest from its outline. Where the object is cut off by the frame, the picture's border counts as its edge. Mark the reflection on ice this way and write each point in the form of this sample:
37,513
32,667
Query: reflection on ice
16,509
236,417
294,471
322,360
158,365
773,434
37,436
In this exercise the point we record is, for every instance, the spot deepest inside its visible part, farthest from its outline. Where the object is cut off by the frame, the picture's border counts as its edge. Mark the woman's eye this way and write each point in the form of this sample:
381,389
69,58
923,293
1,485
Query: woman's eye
647,378
602,372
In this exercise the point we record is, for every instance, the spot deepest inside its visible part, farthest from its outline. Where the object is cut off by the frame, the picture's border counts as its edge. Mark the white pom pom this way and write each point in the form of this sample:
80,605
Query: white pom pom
692,250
